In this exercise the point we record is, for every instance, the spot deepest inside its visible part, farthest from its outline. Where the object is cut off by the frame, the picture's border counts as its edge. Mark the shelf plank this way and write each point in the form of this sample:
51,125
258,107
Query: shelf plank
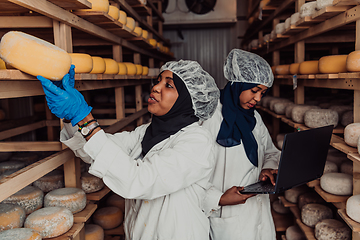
286,203
72,4
296,211
97,196
331,198
281,221
355,226
329,12
345,2
306,21
85,214
295,29
34,146
355,157
72,233
313,183
339,143
308,231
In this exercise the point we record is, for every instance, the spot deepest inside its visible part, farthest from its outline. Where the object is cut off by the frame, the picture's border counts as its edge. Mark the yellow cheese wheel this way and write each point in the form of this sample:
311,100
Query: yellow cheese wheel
2,64
98,5
138,31
309,67
108,217
50,221
51,181
353,61
82,61
131,68
152,42
282,69
98,65
145,34
114,12
11,216
122,17
273,68
20,234
116,201
73,199
30,198
333,64
112,67
138,69
130,23
34,55
122,69
94,232
294,68
91,183
145,71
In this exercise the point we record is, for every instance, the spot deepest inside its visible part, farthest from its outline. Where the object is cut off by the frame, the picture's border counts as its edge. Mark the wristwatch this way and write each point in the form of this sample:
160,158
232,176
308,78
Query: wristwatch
87,129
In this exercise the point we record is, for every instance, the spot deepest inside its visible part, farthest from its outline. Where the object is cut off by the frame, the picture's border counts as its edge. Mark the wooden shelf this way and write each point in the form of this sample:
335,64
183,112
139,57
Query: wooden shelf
84,215
72,233
296,211
308,231
97,196
355,226
313,183
329,12
282,221
339,143
286,203
354,156
331,198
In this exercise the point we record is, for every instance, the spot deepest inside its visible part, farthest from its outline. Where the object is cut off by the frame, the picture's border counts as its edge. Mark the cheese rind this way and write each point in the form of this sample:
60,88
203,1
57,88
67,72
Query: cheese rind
312,213
309,197
294,68
282,69
73,199
353,61
138,31
332,229
11,216
307,9
294,233
20,234
98,65
330,167
122,69
280,107
333,64
309,67
337,183
108,217
351,134
114,12
2,64
122,17
145,34
10,165
138,69
145,70
130,23
131,68
83,62
298,112
353,207
292,194
91,183
315,118
51,181
116,201
111,66
94,232
98,5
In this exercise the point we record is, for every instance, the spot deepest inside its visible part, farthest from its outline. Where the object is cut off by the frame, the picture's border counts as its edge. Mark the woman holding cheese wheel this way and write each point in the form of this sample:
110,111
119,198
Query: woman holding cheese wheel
162,169
245,153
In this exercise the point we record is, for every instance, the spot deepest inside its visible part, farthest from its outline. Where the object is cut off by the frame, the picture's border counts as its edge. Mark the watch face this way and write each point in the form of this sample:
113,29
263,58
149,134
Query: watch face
84,131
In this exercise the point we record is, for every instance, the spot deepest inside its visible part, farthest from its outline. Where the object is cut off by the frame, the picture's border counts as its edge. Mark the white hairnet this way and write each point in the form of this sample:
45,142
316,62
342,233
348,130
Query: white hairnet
243,66
201,86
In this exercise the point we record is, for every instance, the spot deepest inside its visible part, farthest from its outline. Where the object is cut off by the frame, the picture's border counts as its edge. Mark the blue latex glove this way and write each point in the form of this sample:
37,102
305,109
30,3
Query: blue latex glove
64,100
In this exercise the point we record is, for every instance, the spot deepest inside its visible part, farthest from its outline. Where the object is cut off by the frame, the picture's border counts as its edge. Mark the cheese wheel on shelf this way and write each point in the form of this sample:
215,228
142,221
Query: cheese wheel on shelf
294,18
353,61
340,109
145,71
83,62
122,17
73,199
309,197
98,65
131,68
332,229
337,183
94,232
98,5
111,66
130,23
51,181
333,64
309,67
298,112
265,101
108,217
276,100
20,234
294,233
138,69
292,194
289,108
138,31
2,64
315,118
34,55
353,207
11,216
347,167
114,12
280,107
294,68
323,3
312,213
91,183
116,201
50,221
278,207
330,167
10,165
287,23
30,198
280,28
282,69
307,9
122,69
152,42
351,134
145,34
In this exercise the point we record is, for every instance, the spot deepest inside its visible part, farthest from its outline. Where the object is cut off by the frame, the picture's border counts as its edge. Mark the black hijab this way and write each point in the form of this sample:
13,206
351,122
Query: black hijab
180,115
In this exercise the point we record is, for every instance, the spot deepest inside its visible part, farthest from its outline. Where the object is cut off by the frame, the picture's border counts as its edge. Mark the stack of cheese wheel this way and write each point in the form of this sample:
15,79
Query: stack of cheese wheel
10,165
91,183
337,183
352,207
116,201
34,56
30,198
330,167
309,67
83,62
312,213
298,112
294,233
114,12
94,232
138,69
20,234
73,199
131,68
332,229
111,66
138,31
309,197
333,64
307,9
294,68
50,221
98,5
130,23
122,17
315,118
152,42
292,194
122,69
98,65
51,181
278,207
108,217
351,134
2,64
353,61
11,216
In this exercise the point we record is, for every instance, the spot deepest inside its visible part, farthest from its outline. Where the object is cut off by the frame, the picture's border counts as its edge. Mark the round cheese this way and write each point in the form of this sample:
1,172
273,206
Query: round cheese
111,66
307,9
309,197
312,213
98,65
122,17
351,134
152,42
287,23
91,183
309,67
51,181
145,71
294,68
280,28
353,207
30,198
108,217
315,118
98,5
265,101
116,201
130,23
323,3
336,157
275,101
330,167
73,199
292,194
34,55
2,64
254,43
122,68
280,107
83,62
11,216
279,207
347,118
298,112
332,229
138,31
337,183
341,109
294,18
145,34
333,64
353,61
50,221
94,232
289,108
114,12
20,234
280,140
294,233
347,167
131,68
138,69
10,165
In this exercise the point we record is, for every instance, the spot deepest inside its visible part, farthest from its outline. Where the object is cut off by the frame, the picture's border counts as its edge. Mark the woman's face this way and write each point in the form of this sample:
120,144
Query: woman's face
163,94
250,97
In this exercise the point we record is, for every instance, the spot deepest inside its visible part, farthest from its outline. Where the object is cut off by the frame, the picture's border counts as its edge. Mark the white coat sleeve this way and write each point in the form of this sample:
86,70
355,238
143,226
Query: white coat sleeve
211,199
185,162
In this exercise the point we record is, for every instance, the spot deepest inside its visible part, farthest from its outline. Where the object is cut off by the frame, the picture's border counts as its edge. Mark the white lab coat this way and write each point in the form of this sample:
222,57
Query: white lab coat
164,190
252,220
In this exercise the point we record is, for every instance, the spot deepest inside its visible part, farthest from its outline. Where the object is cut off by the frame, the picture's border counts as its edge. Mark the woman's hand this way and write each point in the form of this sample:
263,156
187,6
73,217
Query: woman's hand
232,196
64,100
268,173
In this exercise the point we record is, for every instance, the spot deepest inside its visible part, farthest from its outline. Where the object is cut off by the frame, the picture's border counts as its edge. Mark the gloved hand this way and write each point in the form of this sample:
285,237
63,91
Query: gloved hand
64,100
